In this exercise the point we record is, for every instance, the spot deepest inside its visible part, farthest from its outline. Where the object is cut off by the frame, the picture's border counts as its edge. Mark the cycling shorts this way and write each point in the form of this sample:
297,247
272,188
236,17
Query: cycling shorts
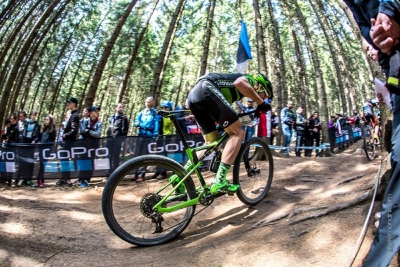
209,106
370,118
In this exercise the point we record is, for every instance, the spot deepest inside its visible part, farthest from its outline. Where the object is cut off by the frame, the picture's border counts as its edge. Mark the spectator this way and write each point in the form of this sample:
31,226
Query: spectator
187,119
262,121
60,135
379,22
332,132
316,136
11,136
12,133
288,119
116,133
166,128
274,125
47,139
21,125
356,118
83,121
147,120
249,129
3,140
4,130
90,132
71,133
148,124
309,135
300,124
30,135
344,121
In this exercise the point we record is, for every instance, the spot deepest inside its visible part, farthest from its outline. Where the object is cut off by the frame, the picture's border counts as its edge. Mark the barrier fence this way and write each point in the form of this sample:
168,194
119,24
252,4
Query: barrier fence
97,156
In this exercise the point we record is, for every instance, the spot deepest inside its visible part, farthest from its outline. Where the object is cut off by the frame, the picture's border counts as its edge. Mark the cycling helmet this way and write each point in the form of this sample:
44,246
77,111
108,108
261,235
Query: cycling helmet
263,80
166,104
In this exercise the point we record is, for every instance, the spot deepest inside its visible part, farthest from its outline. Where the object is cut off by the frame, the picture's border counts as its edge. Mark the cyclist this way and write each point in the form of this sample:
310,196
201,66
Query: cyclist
210,101
369,116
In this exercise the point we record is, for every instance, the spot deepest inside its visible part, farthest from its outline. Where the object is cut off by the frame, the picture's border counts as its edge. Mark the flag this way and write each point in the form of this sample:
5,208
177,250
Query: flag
244,51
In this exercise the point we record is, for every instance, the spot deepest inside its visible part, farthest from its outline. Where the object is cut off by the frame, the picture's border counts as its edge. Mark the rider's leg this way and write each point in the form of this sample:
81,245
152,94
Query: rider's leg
231,149
376,136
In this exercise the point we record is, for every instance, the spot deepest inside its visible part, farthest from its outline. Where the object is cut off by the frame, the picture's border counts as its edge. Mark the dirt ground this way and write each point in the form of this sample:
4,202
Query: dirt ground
65,227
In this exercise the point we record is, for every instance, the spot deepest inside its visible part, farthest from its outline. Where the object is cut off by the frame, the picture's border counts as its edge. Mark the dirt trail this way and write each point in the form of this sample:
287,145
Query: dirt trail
65,227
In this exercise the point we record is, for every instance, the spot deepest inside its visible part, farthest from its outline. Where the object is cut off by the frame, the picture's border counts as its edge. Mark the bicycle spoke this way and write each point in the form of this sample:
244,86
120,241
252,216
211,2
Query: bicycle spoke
128,205
253,171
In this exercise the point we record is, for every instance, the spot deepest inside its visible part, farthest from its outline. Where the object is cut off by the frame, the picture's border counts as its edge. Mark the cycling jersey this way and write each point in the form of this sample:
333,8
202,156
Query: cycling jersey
367,109
224,83
211,100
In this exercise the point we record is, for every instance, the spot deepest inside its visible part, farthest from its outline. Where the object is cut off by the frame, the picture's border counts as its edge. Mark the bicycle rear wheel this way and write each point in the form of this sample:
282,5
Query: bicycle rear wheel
369,144
253,171
128,204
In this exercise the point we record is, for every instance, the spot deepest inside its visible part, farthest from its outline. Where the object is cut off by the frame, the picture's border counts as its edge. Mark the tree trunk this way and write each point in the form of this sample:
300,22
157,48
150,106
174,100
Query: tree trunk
6,13
104,58
24,50
155,86
31,55
262,63
338,77
180,85
322,101
207,38
132,57
302,74
10,40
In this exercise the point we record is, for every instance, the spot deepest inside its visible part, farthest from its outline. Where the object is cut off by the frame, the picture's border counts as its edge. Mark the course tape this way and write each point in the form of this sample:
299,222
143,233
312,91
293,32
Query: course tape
364,229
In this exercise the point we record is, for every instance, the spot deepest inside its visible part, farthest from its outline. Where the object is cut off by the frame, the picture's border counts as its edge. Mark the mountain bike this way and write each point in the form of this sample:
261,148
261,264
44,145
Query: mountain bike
370,143
154,212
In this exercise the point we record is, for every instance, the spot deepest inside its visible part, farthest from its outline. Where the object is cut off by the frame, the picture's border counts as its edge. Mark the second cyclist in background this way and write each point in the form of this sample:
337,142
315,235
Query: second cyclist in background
369,116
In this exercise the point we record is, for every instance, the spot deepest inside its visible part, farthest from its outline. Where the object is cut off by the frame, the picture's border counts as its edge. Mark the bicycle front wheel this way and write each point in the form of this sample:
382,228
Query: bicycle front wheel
369,145
131,193
253,171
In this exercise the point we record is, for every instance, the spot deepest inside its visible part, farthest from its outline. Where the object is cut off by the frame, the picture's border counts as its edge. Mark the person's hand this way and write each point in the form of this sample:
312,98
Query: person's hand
63,136
385,32
380,98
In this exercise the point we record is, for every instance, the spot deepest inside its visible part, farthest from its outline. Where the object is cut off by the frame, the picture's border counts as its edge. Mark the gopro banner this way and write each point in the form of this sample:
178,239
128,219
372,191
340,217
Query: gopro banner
92,157
349,135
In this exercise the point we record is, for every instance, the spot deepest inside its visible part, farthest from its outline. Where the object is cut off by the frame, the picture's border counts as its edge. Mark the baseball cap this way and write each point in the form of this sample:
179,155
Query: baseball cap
249,100
73,100
94,108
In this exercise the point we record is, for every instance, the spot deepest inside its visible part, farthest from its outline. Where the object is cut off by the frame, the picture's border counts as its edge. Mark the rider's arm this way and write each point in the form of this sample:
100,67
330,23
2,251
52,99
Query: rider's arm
244,87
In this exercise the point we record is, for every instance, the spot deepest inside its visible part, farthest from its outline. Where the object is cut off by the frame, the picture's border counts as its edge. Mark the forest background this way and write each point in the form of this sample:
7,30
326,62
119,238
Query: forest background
108,51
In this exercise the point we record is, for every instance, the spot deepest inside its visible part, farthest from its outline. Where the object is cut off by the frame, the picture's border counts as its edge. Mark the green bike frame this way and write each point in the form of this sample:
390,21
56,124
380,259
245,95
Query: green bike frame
193,168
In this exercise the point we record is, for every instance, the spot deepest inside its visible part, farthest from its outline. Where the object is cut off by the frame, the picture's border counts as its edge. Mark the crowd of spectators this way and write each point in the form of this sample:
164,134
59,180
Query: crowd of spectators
21,134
